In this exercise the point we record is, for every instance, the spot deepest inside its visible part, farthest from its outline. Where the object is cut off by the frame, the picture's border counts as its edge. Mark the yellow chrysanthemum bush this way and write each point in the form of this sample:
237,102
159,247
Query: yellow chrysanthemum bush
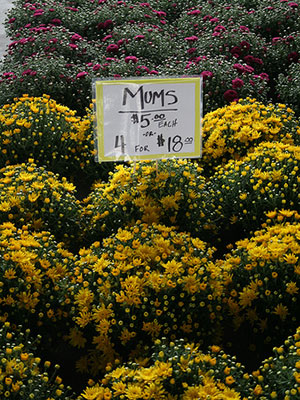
240,192
163,192
144,282
262,301
175,370
231,131
34,272
50,133
39,198
23,375
279,375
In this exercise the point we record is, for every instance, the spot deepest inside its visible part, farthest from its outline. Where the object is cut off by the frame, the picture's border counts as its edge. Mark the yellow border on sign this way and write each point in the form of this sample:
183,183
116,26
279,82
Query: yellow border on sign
100,118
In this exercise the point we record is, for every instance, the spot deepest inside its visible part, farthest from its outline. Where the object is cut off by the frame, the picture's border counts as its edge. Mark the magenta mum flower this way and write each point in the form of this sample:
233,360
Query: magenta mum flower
81,74
39,11
243,68
112,48
239,67
237,83
258,61
264,76
160,13
244,28
191,38
71,8
245,44
106,37
235,51
293,57
206,74
131,58
248,58
197,59
107,23
26,72
76,37
194,12
56,21
230,95
249,69
143,67
219,28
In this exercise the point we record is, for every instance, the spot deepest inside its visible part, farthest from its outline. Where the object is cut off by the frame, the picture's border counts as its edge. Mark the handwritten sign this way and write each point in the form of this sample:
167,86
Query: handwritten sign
144,119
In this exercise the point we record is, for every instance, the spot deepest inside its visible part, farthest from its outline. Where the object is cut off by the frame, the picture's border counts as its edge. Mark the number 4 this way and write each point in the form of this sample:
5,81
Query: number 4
120,142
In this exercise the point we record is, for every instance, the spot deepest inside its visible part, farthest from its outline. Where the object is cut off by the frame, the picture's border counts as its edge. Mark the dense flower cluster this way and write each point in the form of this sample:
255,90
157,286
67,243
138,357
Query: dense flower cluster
48,132
81,40
174,369
33,284
34,196
224,81
52,40
282,52
143,282
262,298
165,192
233,41
232,131
241,191
22,373
140,41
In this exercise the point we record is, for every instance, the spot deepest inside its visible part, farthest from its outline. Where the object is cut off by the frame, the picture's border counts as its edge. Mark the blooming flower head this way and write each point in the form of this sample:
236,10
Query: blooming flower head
191,38
112,48
132,59
237,83
81,74
230,95
206,74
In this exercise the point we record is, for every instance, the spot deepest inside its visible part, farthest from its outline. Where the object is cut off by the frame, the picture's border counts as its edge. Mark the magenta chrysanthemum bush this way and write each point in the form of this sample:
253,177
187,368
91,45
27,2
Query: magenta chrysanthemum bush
76,36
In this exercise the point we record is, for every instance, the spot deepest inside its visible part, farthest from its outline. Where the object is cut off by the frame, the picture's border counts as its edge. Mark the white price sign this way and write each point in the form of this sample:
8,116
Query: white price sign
144,119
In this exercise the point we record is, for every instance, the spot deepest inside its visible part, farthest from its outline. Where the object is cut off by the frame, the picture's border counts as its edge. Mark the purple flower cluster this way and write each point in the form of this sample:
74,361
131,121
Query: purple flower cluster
119,38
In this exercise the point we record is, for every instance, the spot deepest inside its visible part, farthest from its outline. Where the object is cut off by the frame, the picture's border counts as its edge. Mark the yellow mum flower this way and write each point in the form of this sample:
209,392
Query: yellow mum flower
281,311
